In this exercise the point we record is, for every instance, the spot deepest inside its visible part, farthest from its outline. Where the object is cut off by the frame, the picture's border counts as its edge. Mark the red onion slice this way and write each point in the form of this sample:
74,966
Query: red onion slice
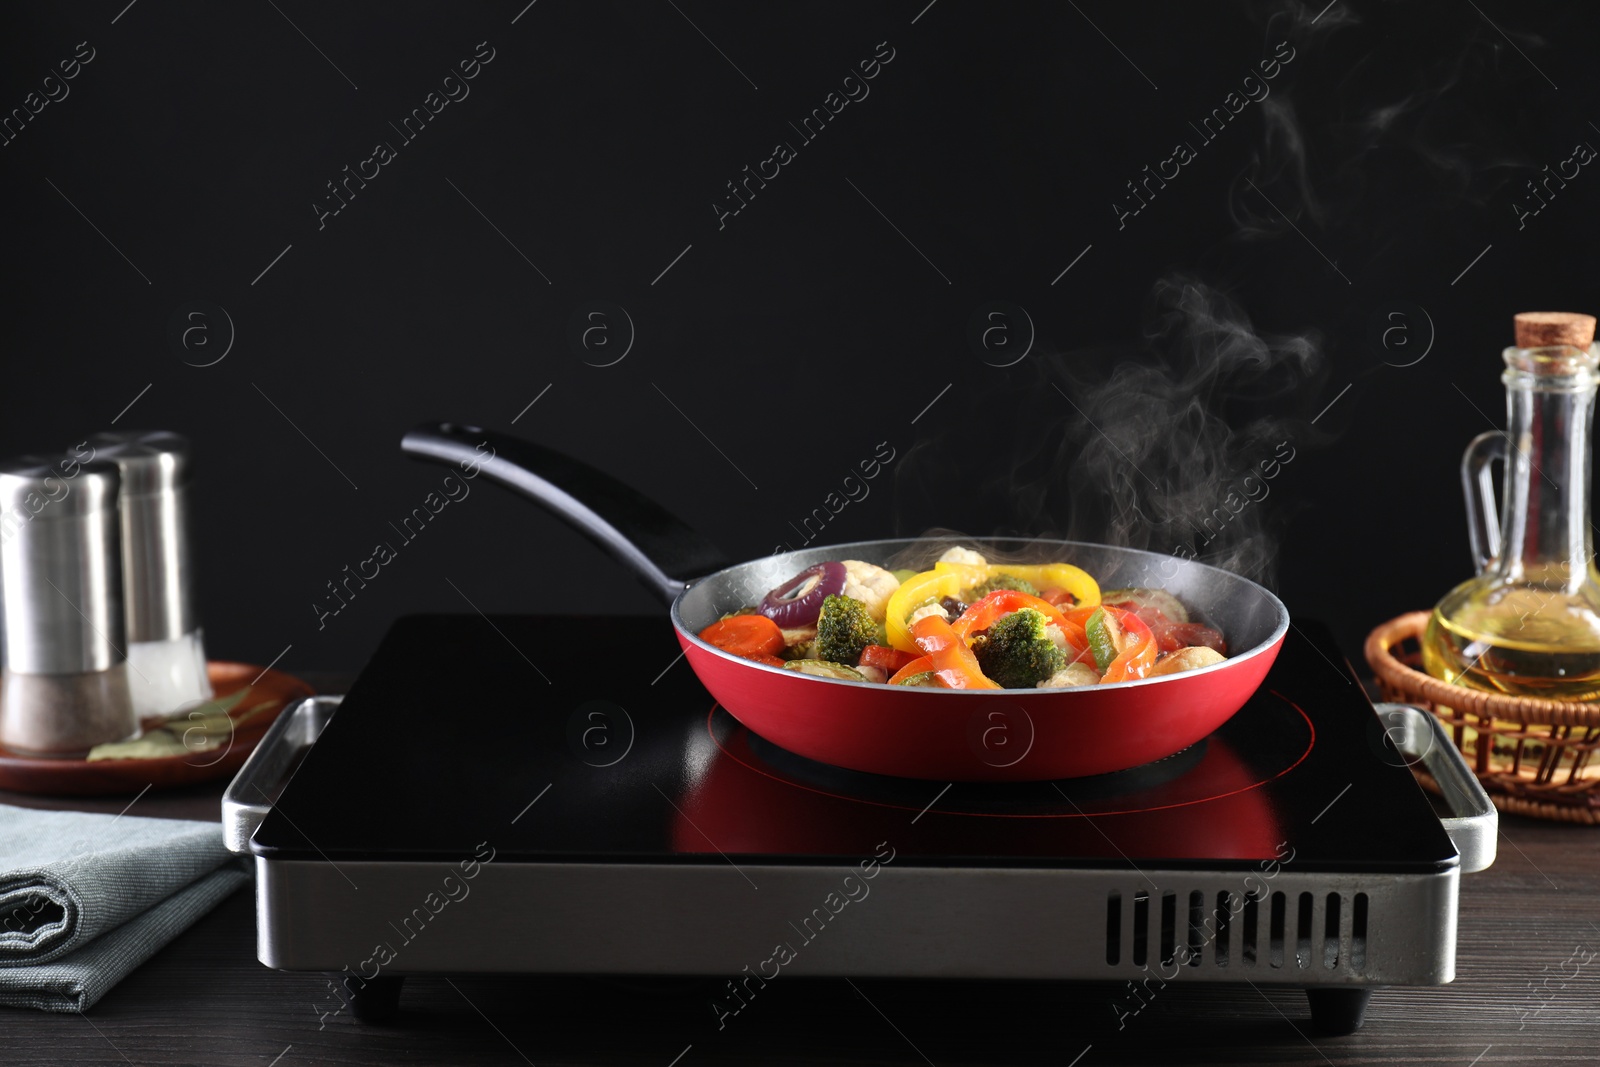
798,601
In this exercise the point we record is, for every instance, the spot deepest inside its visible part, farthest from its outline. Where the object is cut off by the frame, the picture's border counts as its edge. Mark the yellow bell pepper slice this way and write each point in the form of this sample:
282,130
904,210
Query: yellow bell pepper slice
913,592
1042,576
951,579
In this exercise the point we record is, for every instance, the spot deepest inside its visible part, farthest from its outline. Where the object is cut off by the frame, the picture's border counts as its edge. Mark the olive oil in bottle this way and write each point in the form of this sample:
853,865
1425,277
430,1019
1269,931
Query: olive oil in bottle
1507,645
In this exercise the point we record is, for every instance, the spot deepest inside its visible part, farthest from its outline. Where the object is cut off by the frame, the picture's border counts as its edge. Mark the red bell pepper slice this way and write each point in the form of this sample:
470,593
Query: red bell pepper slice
1171,636
1138,653
952,661
889,660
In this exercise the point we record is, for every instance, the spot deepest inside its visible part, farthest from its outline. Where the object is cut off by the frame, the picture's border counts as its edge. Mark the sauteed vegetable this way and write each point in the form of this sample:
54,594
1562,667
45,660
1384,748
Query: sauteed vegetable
967,624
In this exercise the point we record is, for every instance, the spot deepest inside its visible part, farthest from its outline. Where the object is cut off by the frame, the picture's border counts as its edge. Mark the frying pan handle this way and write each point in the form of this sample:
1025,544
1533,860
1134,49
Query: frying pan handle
1473,823
662,550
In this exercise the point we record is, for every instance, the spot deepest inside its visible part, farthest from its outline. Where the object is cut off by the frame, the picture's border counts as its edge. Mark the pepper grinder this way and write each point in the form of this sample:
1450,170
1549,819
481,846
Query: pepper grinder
64,686
166,656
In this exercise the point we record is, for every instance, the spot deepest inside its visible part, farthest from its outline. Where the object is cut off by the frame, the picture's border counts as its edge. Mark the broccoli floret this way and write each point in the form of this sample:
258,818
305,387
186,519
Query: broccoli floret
1000,581
1016,653
844,628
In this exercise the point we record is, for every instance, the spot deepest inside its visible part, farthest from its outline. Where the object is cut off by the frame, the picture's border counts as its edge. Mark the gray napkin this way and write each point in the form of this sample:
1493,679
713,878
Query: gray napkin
86,898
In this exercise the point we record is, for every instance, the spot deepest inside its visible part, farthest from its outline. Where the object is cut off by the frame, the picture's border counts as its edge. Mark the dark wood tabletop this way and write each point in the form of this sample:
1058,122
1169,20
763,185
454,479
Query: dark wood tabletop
1527,992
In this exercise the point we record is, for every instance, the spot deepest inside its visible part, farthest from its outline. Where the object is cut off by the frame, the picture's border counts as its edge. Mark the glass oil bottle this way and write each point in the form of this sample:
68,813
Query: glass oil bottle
1528,624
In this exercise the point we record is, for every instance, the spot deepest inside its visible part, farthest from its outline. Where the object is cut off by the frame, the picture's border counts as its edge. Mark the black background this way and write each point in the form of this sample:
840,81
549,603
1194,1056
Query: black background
824,317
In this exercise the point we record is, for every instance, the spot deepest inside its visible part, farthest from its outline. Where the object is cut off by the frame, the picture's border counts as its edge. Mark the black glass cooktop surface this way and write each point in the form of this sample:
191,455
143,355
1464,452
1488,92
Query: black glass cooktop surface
589,739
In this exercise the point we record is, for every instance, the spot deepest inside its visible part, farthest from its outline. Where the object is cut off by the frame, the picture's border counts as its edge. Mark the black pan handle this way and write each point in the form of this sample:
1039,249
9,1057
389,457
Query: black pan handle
664,551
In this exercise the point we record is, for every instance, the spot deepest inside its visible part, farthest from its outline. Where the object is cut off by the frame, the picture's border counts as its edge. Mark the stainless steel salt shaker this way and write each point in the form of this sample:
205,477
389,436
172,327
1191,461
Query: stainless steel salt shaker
64,687
166,655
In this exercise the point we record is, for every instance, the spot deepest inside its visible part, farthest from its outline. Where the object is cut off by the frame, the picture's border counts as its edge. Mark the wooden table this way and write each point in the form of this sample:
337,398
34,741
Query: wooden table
1527,992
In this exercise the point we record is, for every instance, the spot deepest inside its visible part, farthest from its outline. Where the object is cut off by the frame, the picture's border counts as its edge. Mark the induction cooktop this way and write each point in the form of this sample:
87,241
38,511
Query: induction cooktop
559,795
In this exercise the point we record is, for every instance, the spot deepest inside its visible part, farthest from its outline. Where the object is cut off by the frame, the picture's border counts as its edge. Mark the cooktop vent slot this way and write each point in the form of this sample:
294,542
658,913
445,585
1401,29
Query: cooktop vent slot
1330,932
1197,926
1275,931
1141,928
1358,933
1304,930
1219,945
1114,927
1169,927
1252,923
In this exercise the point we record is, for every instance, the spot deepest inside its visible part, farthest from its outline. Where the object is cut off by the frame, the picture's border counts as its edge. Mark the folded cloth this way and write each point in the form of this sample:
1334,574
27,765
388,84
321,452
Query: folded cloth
86,898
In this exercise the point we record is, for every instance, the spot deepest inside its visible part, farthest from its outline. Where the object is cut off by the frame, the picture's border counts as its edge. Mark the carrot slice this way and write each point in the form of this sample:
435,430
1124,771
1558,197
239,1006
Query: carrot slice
749,636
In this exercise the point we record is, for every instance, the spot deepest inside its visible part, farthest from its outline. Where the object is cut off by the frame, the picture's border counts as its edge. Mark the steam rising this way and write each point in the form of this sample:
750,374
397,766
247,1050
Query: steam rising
1381,140
1175,449
1175,444
1177,452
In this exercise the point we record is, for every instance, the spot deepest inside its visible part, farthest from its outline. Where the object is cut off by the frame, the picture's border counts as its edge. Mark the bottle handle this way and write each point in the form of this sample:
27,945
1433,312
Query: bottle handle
1477,485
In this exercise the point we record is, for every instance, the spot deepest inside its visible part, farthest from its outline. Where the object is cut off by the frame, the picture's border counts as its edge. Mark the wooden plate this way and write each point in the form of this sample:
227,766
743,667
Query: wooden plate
79,777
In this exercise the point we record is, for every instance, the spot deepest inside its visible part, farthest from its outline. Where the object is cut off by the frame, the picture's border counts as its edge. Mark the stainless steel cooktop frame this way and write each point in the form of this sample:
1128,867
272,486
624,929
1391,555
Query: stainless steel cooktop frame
1279,924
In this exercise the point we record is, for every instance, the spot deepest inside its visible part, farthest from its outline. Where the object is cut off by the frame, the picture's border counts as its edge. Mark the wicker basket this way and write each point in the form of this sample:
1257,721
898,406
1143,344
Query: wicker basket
1535,757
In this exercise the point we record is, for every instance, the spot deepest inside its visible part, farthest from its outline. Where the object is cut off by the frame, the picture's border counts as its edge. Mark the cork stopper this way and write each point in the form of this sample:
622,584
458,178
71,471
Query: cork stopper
1536,329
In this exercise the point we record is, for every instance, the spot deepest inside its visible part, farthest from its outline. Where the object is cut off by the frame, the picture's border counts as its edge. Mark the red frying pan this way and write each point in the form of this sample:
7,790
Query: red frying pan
912,732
